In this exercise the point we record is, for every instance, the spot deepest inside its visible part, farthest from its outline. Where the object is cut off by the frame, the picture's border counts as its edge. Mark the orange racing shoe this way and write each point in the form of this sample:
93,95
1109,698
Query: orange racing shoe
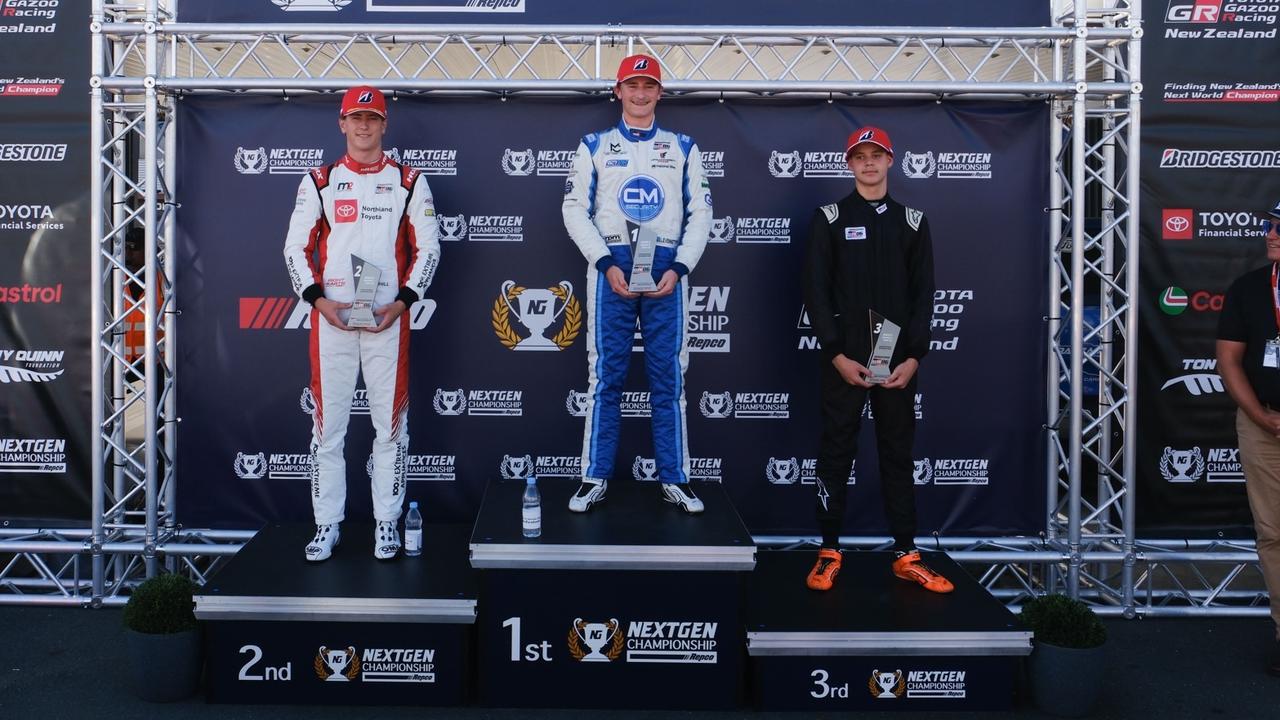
909,566
823,574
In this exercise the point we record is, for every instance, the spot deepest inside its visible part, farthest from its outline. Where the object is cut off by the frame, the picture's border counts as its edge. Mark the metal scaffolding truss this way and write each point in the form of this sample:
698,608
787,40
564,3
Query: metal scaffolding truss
1087,64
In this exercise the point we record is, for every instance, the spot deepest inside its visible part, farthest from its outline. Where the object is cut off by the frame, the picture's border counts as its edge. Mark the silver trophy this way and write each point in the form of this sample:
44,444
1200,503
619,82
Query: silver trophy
535,308
646,246
884,338
366,278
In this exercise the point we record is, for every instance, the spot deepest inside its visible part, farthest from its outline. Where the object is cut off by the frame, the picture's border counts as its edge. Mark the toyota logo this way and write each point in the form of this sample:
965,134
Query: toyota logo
346,211
1177,224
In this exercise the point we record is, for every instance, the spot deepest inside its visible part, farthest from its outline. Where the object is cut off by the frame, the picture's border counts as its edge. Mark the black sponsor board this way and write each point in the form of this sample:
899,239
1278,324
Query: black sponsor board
1209,160
44,260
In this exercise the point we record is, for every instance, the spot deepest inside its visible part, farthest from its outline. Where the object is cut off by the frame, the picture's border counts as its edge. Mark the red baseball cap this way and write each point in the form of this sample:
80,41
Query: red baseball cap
868,134
639,66
363,98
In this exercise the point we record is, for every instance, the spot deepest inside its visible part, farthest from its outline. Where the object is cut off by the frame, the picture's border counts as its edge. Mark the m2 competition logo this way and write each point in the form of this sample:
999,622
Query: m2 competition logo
536,309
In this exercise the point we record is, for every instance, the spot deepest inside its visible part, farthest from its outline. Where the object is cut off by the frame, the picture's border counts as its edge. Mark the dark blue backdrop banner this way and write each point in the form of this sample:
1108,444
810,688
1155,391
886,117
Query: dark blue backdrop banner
989,13
479,407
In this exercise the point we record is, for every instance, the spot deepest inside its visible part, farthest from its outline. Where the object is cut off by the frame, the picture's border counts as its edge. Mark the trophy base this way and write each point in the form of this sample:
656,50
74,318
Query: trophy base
361,316
642,282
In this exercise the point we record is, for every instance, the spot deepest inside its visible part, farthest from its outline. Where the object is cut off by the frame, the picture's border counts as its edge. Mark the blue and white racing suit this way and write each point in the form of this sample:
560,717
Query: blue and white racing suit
622,179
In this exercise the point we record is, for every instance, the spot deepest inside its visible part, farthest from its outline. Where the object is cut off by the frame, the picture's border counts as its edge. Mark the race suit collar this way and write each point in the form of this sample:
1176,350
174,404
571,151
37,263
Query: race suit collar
639,134
350,163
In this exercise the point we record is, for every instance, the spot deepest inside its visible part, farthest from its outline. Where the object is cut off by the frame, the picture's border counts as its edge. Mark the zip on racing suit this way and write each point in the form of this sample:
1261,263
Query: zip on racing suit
384,214
623,178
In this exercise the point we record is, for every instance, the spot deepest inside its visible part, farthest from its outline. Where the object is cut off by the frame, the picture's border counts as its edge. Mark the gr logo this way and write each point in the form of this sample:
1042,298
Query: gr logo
1197,11
641,198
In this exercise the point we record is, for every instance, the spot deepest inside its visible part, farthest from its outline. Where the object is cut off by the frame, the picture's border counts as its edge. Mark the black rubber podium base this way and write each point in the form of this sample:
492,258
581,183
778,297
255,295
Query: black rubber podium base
349,630
875,642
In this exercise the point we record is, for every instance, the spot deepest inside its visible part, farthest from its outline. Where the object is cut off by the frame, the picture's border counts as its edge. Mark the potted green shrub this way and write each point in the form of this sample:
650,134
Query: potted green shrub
162,638
1066,666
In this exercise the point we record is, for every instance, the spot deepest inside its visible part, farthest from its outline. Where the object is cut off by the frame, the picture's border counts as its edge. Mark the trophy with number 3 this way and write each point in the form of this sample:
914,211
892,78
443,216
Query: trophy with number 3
884,338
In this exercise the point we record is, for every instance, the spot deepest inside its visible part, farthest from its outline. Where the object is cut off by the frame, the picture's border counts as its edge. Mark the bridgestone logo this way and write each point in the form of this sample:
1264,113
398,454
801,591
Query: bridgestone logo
33,152
1219,159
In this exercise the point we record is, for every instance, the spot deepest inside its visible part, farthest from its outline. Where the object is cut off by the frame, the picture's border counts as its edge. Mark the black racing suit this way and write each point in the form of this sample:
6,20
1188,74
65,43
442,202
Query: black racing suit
868,255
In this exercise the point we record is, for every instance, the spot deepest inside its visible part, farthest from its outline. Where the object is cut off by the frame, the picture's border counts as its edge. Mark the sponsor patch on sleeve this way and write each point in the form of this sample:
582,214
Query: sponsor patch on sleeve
832,212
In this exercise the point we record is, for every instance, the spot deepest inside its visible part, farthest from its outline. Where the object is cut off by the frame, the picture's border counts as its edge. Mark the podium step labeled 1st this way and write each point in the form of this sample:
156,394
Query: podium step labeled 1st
613,607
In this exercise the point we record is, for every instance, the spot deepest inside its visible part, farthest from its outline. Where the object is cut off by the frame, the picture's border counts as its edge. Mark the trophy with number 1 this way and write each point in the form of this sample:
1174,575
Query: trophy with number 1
646,246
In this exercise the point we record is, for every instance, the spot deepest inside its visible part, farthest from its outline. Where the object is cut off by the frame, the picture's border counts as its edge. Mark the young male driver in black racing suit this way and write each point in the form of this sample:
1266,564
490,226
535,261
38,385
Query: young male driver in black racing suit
869,253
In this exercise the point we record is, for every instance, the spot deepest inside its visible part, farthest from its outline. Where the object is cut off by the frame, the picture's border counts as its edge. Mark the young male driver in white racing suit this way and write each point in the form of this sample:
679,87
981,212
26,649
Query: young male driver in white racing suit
869,252
629,175
366,206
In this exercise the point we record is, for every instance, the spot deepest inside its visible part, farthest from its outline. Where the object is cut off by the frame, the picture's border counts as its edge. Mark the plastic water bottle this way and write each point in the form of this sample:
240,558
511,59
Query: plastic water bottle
531,509
413,531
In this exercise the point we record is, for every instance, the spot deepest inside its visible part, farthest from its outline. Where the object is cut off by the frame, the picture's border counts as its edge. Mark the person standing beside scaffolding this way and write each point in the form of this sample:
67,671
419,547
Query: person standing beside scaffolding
1248,350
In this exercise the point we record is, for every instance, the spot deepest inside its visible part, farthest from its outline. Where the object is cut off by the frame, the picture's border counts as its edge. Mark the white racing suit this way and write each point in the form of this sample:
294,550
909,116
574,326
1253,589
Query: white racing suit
382,213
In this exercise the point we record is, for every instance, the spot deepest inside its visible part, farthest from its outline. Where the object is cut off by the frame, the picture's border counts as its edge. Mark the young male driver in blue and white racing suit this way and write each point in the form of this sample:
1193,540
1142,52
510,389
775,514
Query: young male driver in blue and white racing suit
634,174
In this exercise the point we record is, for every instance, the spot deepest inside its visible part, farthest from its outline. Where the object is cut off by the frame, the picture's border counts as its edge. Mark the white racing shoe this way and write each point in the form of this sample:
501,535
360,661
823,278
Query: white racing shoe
589,493
322,545
682,495
386,540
